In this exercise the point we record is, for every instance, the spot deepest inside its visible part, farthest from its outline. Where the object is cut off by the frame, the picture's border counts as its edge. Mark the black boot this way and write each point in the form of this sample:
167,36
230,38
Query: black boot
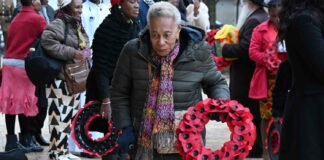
27,141
11,142
40,139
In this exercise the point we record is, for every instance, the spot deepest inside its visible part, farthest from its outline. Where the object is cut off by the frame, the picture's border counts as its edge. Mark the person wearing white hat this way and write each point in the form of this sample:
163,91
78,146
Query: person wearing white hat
64,39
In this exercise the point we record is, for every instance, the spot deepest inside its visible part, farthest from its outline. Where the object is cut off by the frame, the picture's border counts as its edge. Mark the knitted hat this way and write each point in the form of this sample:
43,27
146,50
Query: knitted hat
63,3
259,2
114,2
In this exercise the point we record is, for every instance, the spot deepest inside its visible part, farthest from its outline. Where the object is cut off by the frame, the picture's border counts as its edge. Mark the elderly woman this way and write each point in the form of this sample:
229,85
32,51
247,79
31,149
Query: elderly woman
157,75
63,39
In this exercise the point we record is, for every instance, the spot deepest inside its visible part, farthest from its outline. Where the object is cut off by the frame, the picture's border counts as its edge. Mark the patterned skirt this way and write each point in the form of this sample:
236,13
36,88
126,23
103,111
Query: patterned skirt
266,104
62,109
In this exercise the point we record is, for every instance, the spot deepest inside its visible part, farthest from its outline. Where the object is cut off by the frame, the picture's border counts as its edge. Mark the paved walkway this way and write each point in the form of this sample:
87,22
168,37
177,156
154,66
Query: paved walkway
217,134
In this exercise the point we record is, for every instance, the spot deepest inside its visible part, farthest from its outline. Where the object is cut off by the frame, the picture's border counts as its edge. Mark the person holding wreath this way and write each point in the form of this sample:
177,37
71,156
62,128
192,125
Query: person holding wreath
158,76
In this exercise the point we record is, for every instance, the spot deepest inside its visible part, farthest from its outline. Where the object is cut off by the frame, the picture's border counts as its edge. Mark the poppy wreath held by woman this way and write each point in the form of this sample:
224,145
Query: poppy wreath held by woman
238,119
272,141
82,125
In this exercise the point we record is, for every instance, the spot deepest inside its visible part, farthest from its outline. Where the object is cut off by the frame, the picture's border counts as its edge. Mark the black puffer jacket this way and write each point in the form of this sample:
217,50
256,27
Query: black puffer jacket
194,71
109,39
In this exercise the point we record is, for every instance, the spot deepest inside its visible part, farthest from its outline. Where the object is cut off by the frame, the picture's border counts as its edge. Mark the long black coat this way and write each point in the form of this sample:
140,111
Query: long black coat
303,126
242,69
109,39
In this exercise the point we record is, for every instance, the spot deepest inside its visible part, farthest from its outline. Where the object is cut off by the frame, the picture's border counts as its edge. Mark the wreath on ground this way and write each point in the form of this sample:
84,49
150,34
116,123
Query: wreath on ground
238,119
89,119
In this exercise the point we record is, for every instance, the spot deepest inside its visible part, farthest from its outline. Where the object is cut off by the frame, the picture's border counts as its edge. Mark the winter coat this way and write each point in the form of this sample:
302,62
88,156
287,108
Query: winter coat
109,40
202,19
19,42
241,72
281,89
50,13
194,71
262,39
53,37
143,9
303,125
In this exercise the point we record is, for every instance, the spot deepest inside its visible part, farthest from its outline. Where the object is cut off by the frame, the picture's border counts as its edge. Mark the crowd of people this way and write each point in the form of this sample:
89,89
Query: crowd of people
150,62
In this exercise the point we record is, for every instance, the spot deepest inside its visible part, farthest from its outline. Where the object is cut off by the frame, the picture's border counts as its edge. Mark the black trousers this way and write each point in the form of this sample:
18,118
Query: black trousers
38,121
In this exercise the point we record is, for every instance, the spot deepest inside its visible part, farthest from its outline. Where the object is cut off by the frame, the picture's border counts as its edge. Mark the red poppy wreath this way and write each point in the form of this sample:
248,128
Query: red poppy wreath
82,125
238,119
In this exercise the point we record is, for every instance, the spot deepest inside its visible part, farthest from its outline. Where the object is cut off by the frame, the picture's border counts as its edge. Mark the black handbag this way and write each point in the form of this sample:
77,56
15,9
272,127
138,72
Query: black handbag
40,67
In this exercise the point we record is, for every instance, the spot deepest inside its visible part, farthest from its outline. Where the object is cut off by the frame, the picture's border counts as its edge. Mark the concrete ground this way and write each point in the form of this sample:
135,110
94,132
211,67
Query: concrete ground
217,134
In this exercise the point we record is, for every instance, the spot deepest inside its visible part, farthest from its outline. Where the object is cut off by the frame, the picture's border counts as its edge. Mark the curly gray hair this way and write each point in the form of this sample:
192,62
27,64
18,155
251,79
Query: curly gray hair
163,9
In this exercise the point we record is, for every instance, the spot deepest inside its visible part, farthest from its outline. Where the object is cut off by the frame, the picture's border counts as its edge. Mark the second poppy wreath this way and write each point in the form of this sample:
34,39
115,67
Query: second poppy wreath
82,125
236,116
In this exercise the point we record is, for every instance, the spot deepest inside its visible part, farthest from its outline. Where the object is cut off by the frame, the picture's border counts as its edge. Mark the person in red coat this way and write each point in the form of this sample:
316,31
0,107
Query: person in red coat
263,50
17,92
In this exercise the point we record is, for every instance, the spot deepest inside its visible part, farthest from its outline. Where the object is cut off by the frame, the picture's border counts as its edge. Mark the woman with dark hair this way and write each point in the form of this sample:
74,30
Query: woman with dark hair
263,51
17,91
117,28
64,39
110,37
302,28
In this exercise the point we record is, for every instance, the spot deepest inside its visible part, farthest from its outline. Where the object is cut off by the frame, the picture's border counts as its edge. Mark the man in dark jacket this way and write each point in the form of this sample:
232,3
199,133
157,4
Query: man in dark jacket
47,11
242,68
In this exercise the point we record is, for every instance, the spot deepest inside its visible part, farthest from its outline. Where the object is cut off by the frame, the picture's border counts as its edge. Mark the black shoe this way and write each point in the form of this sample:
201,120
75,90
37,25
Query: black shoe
11,142
23,148
27,141
40,139
38,147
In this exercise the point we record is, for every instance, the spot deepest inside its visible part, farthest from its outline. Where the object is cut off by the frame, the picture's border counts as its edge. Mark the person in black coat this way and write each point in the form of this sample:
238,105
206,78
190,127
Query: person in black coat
242,68
281,89
302,28
117,28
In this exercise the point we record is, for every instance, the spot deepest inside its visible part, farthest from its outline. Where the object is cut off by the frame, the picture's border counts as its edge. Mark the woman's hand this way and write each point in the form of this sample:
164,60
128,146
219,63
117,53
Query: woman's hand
105,109
78,55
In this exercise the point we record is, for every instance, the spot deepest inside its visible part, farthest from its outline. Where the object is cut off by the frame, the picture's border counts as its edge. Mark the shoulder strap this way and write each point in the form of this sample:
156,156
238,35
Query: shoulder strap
66,30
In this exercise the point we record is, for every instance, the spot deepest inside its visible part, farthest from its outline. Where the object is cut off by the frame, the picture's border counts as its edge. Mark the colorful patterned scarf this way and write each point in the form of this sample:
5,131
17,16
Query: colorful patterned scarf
158,128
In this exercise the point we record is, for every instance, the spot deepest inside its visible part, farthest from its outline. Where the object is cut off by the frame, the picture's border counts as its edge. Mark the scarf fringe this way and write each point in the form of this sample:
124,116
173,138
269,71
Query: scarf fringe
144,153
